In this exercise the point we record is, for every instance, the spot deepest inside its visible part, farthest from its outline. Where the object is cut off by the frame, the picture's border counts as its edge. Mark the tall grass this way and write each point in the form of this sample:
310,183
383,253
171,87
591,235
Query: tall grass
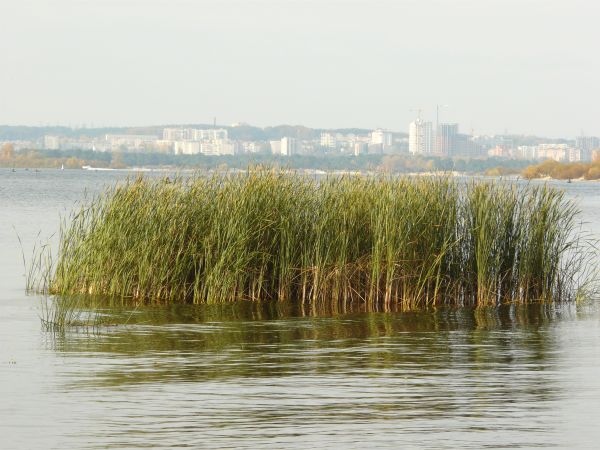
271,235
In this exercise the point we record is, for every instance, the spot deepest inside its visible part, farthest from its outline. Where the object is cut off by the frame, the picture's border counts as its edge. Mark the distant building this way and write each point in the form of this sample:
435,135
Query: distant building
587,144
80,145
275,147
447,139
186,148
344,143
175,134
420,137
288,146
576,155
213,134
361,148
499,152
251,147
218,147
193,134
382,137
557,152
164,146
51,142
464,146
329,141
528,152
129,141
192,141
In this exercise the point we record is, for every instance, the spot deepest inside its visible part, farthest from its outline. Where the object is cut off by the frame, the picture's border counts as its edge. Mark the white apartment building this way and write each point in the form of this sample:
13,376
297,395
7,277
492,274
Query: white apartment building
577,155
382,137
289,146
329,140
275,147
526,152
557,152
420,137
251,147
217,147
192,141
186,148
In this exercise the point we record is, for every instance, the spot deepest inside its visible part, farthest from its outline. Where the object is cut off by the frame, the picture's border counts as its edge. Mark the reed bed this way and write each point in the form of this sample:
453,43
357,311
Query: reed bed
278,236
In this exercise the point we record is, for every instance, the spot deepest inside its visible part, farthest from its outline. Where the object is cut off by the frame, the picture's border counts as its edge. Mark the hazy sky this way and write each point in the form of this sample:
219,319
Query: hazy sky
526,66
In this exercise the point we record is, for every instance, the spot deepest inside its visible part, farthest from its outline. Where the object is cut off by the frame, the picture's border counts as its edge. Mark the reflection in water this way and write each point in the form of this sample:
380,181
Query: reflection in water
234,374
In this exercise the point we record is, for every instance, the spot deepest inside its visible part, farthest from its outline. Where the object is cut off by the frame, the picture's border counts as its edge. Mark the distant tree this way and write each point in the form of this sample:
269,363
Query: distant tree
8,152
116,161
73,163
391,164
593,173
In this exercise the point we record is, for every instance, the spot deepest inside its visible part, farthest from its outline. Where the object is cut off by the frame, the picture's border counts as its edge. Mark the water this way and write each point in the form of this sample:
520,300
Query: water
267,376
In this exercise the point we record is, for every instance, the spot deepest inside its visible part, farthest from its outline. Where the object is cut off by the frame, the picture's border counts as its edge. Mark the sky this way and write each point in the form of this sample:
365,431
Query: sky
516,66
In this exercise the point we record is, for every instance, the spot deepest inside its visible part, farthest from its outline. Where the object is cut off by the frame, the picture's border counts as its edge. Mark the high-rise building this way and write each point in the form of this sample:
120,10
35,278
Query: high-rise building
447,139
289,146
587,144
420,137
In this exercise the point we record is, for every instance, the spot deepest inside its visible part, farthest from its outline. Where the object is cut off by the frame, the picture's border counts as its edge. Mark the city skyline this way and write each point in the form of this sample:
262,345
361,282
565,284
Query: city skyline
422,139
500,65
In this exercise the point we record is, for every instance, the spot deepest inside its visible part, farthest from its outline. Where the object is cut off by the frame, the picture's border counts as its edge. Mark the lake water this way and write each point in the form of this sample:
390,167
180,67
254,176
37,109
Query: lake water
267,376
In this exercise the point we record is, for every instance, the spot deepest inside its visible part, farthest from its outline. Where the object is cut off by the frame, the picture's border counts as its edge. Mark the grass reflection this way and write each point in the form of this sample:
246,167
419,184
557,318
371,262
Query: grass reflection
252,341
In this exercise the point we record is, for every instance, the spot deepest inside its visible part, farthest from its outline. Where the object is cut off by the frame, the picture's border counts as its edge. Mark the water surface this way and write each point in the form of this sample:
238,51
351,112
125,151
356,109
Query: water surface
274,376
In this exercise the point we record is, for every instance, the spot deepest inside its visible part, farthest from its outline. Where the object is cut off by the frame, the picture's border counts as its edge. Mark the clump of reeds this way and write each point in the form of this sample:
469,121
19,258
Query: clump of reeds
270,235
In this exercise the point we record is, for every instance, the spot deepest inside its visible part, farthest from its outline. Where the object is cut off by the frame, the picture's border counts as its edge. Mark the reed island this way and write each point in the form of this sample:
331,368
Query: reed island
269,235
